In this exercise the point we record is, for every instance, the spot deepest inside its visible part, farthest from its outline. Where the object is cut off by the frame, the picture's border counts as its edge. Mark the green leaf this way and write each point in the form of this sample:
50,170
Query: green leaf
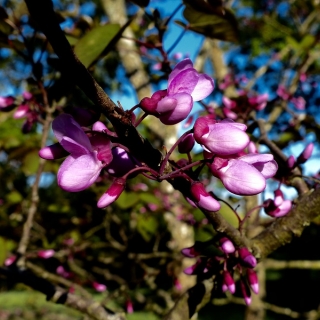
3,251
217,23
149,198
91,45
147,226
142,315
13,197
127,200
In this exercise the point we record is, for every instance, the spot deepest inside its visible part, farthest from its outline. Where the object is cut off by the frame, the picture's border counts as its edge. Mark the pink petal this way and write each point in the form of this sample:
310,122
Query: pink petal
224,139
73,147
167,104
181,111
242,178
183,65
184,82
65,126
203,88
21,111
54,151
77,174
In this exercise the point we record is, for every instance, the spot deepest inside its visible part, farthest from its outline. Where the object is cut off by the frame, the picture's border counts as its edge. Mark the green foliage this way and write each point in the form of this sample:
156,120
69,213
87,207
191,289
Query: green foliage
210,21
90,47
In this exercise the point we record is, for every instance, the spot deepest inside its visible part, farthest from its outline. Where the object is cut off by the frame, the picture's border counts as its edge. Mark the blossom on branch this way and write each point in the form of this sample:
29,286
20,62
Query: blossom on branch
245,175
87,156
224,137
185,85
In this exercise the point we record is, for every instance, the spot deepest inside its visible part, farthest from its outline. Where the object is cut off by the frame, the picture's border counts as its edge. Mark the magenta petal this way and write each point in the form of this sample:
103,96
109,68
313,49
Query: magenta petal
184,82
55,151
181,111
99,126
21,111
203,88
73,147
242,178
65,126
77,174
183,65
208,203
262,162
224,139
167,104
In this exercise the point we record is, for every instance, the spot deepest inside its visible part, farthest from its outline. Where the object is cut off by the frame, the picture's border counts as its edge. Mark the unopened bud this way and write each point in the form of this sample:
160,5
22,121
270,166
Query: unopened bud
202,198
245,292
246,258
46,254
291,162
253,280
113,193
226,245
228,281
306,153
186,144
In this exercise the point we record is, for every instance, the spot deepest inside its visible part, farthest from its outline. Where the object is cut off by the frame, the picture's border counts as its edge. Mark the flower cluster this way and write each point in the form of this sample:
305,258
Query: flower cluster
225,263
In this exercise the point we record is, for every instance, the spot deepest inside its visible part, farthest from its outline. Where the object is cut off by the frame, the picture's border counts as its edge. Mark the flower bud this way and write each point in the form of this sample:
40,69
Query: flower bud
186,144
245,292
291,162
129,306
306,154
226,245
190,252
253,280
46,254
21,111
99,287
202,198
9,261
228,281
113,193
246,258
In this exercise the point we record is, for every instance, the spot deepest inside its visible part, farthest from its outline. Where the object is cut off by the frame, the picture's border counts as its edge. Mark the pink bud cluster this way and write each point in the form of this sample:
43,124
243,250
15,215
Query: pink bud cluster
230,261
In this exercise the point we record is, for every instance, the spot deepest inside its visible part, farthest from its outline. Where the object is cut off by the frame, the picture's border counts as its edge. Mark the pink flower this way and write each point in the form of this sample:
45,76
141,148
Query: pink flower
185,85
87,156
99,287
222,138
9,261
278,207
202,198
259,102
113,193
46,254
246,175
6,103
22,111
299,102
129,306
